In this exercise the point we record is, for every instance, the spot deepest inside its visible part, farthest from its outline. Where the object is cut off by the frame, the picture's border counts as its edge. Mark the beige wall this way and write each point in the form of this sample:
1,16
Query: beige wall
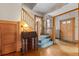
10,11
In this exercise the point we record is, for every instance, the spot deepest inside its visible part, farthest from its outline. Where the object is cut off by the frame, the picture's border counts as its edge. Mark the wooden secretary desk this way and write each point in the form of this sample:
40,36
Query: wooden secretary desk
8,37
29,41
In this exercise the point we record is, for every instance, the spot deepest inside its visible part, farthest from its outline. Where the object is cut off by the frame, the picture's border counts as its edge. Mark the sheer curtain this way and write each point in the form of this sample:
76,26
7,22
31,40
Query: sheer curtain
48,25
38,25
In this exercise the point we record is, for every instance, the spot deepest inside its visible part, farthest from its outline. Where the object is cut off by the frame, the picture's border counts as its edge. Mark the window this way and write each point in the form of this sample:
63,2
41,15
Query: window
48,26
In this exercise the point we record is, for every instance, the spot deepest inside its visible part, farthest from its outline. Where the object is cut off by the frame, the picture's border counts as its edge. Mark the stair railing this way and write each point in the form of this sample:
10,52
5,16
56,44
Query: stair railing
27,18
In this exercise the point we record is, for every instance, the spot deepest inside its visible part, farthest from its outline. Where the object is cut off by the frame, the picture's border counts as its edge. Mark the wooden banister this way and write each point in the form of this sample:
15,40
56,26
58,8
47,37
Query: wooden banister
27,13
27,18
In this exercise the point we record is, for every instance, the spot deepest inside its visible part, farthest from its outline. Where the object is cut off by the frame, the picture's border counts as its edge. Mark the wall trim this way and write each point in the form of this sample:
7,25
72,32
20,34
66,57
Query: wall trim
67,12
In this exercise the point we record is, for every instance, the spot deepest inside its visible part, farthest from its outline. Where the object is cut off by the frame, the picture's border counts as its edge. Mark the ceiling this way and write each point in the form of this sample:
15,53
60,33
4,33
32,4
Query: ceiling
30,5
43,8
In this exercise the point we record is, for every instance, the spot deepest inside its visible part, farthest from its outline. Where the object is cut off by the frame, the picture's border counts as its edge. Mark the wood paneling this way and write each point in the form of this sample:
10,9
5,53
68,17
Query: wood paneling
8,37
0,41
9,48
9,33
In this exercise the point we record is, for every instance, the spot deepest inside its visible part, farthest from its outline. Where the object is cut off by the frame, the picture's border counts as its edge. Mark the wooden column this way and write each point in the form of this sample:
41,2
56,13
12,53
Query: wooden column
54,29
78,28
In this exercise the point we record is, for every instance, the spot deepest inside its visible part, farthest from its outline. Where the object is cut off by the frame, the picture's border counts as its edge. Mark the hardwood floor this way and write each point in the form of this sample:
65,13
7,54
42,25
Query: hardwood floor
53,50
71,49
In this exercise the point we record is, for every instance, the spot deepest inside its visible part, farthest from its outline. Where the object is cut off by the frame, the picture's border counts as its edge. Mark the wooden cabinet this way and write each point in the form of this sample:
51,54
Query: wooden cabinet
8,37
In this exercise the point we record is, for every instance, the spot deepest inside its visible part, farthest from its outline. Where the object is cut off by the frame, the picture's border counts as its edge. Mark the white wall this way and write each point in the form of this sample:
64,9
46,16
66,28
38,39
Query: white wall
10,11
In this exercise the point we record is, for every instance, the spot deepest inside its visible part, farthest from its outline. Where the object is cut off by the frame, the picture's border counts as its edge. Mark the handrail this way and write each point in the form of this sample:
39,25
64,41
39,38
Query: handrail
27,13
27,18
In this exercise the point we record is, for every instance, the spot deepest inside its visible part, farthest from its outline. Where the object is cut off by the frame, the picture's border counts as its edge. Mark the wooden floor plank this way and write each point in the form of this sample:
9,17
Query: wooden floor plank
53,50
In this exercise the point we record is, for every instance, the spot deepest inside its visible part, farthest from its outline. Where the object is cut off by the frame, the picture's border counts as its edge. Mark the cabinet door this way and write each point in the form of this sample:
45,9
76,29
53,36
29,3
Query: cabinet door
9,36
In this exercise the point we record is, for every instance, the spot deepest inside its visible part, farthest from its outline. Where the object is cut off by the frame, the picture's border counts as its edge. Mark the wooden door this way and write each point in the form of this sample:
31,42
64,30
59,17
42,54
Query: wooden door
67,29
63,30
8,37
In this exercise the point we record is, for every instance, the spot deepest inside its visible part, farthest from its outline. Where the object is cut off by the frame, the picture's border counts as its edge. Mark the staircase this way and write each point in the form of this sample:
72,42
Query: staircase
45,41
27,18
